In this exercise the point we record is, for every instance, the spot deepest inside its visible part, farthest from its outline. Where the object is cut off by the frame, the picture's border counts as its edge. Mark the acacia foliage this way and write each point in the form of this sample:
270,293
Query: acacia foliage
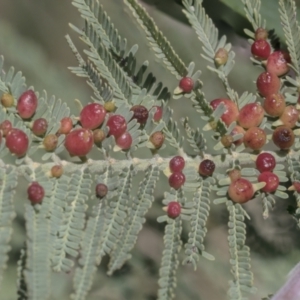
62,235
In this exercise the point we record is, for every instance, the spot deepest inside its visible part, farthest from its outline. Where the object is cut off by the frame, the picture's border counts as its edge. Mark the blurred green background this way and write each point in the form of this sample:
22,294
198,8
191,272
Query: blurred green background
32,39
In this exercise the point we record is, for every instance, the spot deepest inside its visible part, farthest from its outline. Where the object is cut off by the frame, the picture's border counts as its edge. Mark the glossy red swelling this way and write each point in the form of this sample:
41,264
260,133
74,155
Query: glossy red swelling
66,125
124,141
271,180
186,84
177,164
140,113
265,162
251,115
268,83
231,113
17,142
278,62
173,209
39,126
206,167
158,113
261,49
117,125
35,193
241,190
283,137
274,105
176,180
92,115
27,104
79,142
255,138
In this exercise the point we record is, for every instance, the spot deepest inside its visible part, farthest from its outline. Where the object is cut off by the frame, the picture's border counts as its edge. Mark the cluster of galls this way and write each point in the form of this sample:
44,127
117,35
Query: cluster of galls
78,141
177,180
274,105
268,85
248,118
16,140
251,115
241,190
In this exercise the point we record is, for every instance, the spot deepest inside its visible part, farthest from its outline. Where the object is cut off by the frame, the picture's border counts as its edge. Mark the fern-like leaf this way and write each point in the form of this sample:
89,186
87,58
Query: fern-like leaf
96,17
84,274
71,229
116,213
223,73
195,138
203,25
38,253
57,110
195,244
101,90
208,34
157,40
94,14
173,135
8,183
135,219
38,271
91,241
200,103
291,30
170,261
239,253
252,8
11,82
105,64
58,204
268,204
